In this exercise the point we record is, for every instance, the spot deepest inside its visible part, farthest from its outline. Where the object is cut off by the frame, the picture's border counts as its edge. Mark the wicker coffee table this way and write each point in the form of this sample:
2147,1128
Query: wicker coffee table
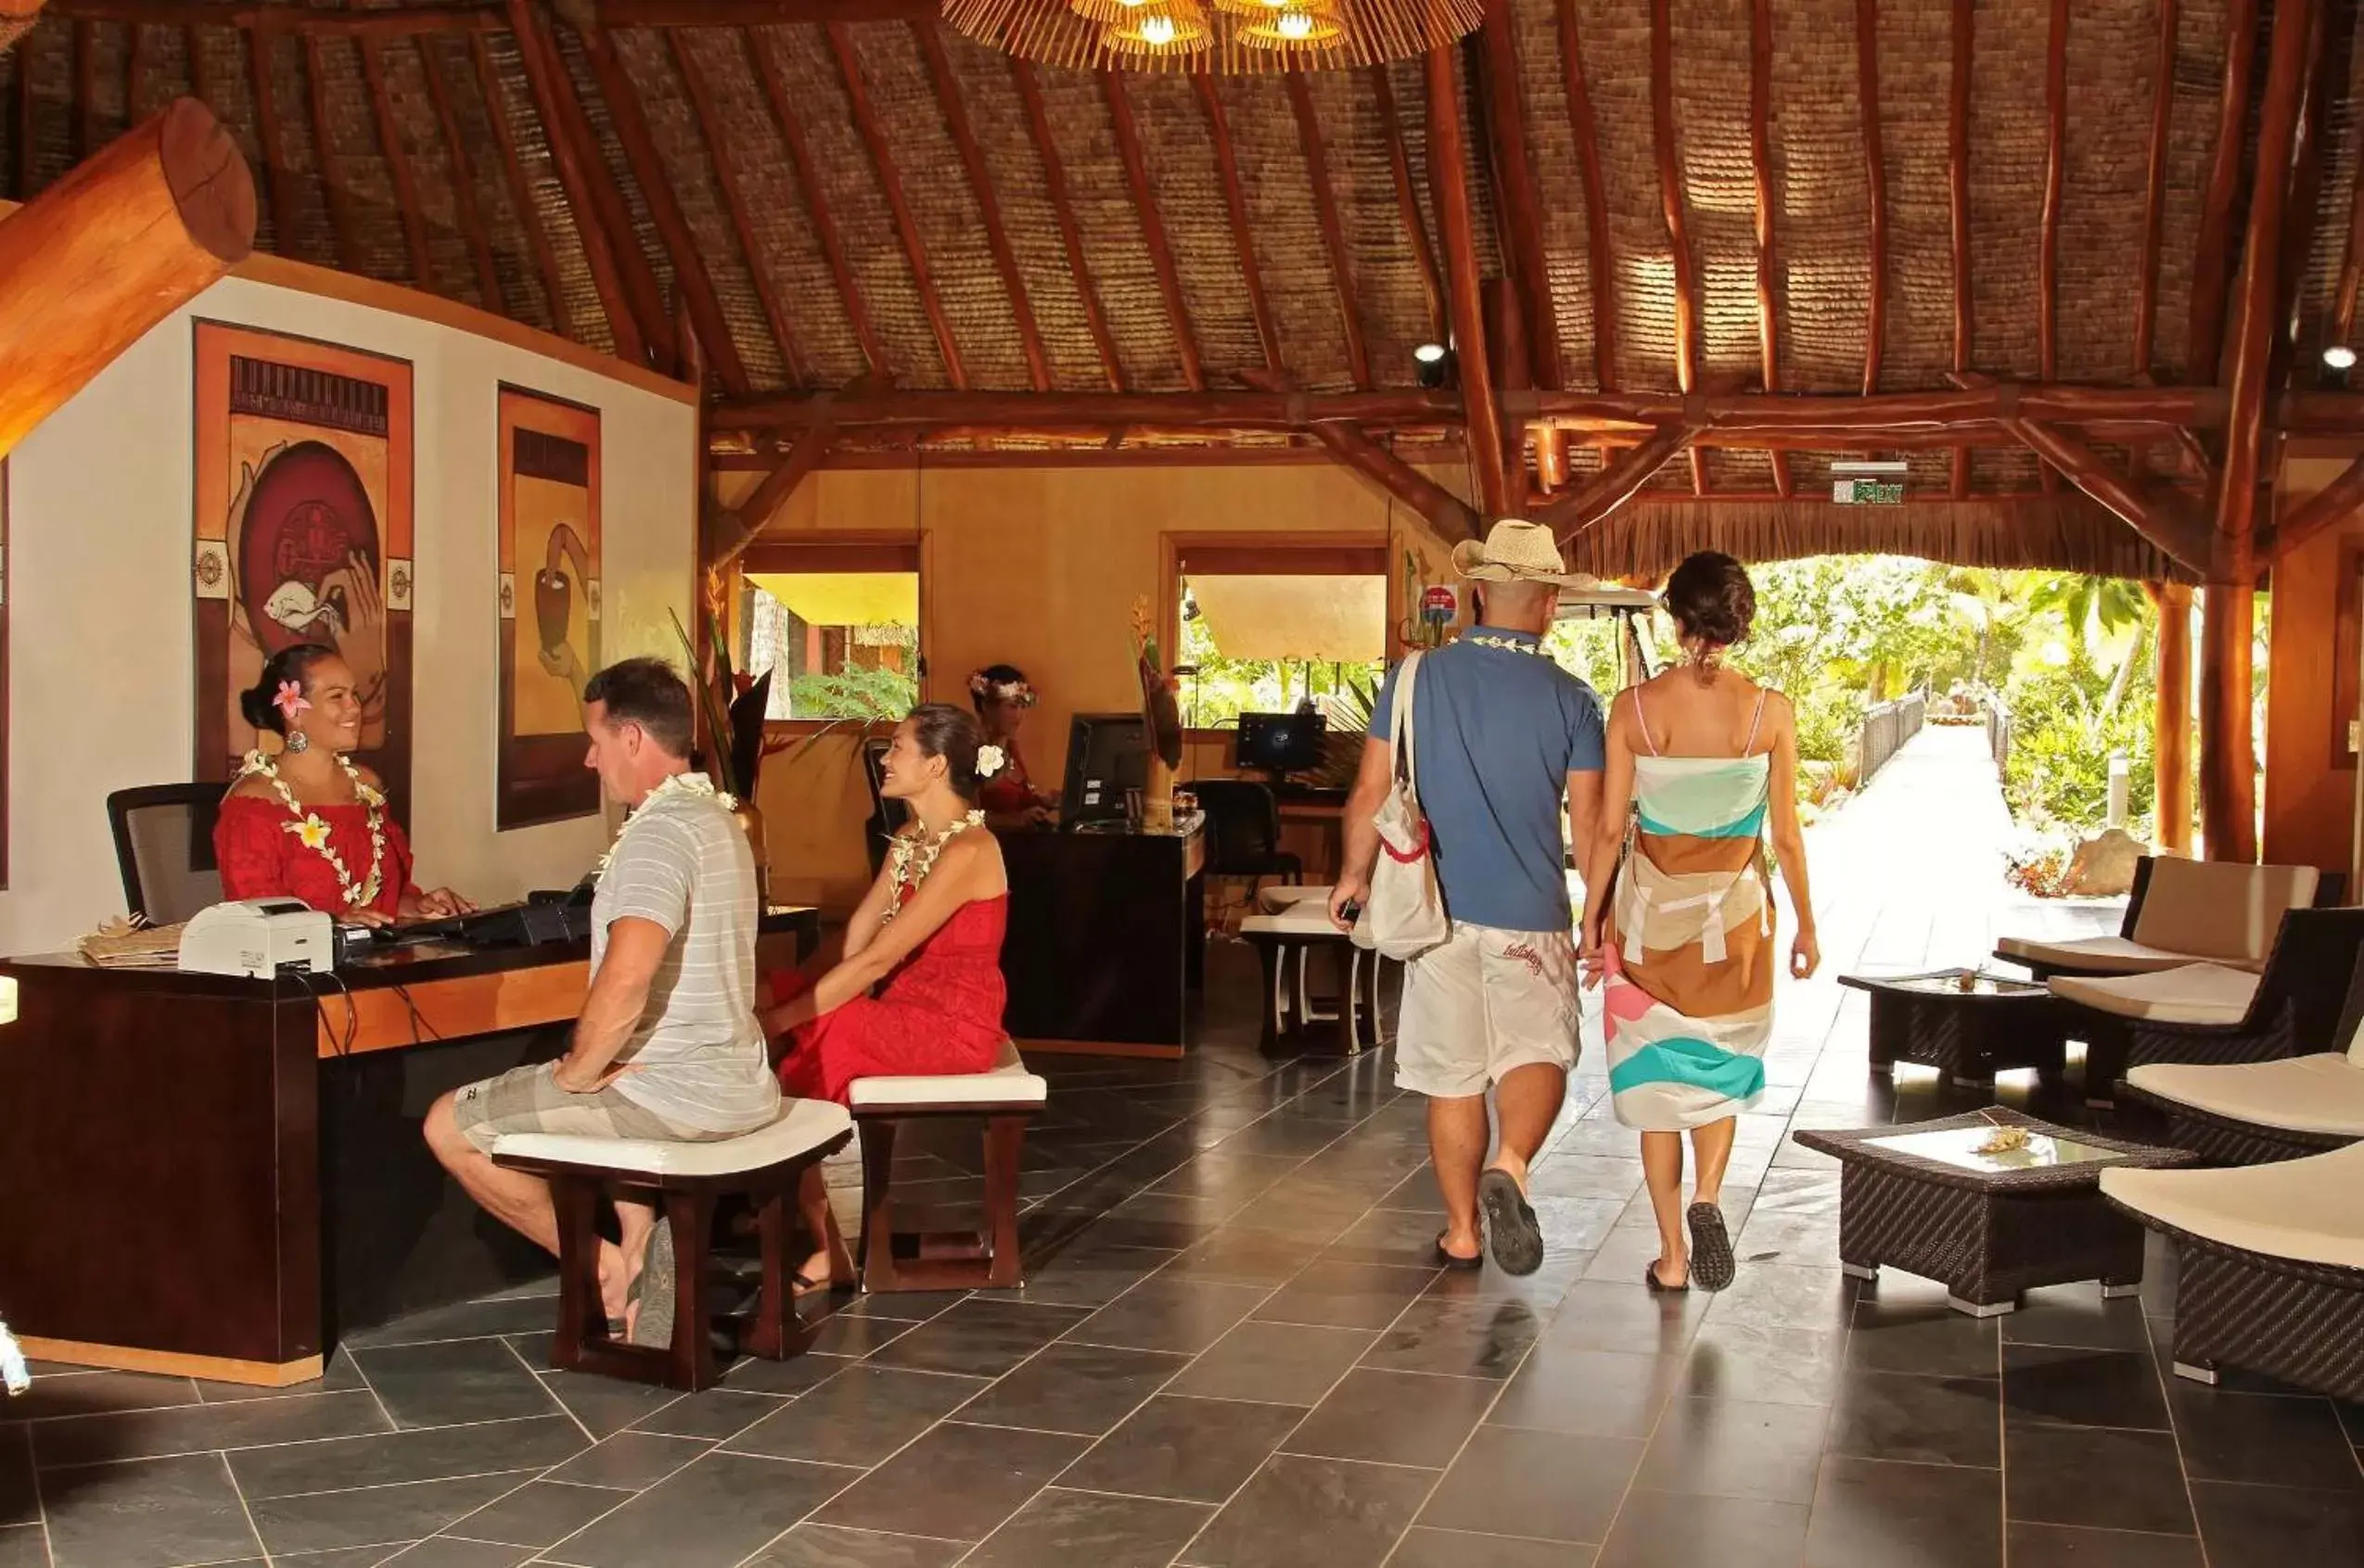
1917,1197
1965,1023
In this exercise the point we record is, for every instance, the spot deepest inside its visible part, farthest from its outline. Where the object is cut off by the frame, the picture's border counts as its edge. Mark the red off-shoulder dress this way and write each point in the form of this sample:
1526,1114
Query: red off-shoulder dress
261,859
938,1012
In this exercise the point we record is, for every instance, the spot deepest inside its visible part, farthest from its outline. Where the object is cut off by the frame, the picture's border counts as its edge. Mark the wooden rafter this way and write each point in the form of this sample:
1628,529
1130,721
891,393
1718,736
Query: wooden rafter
988,207
816,202
1514,167
694,284
1671,204
134,72
1152,228
2166,520
2333,503
618,270
85,68
2047,240
1596,202
1761,164
745,523
1423,253
332,190
1219,129
1453,518
719,141
2205,352
1619,482
1958,206
1448,184
2342,324
1054,186
471,218
25,142
882,160
1875,190
200,78
2154,190
545,259
398,165
1326,213
275,148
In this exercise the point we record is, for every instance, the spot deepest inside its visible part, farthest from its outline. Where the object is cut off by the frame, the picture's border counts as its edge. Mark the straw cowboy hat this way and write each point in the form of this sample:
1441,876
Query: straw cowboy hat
1516,551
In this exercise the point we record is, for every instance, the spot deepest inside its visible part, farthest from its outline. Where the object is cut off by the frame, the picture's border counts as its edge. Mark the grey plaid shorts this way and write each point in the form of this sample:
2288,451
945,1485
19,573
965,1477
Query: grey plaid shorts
529,1100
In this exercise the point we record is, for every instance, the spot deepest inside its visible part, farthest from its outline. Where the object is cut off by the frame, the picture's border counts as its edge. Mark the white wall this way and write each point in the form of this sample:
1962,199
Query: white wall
99,629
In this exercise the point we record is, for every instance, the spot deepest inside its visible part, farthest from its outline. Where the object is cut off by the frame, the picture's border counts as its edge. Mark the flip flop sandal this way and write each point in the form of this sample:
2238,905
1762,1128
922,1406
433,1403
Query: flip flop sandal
1711,1257
655,1326
1454,1260
1512,1233
1659,1286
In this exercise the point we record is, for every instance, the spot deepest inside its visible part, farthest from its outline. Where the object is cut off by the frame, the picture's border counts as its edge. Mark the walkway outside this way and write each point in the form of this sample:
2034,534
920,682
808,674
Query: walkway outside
1236,1353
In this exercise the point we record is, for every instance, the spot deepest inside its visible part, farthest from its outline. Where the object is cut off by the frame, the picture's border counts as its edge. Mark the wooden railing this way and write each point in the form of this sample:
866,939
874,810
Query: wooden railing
1887,726
1997,731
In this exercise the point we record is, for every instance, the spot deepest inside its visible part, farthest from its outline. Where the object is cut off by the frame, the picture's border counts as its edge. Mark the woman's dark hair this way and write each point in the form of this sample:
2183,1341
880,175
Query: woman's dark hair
995,675
1711,599
944,730
259,702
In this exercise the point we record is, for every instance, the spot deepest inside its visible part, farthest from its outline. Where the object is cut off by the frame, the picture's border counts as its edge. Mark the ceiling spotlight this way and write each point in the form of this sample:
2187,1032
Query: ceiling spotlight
1429,364
2339,356
1434,353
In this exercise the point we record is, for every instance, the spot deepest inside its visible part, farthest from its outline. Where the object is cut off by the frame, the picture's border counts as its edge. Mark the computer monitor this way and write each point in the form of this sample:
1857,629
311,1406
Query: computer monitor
1107,754
1281,743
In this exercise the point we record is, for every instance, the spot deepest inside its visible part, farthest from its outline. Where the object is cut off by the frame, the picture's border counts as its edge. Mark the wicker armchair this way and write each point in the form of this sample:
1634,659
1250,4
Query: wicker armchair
2184,912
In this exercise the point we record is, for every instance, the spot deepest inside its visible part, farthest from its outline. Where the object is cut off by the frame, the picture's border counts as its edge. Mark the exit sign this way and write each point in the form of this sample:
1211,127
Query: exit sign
1868,492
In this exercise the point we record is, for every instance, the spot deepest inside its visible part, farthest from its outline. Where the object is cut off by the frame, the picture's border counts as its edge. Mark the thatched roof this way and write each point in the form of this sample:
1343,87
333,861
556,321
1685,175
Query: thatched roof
888,196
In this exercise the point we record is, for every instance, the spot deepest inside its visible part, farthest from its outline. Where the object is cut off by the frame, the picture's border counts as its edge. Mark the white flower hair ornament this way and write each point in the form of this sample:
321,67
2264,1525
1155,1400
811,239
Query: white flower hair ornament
989,759
983,689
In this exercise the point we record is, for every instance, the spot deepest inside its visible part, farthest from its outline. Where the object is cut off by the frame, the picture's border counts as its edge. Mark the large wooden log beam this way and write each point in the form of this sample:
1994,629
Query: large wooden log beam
1615,484
1600,268
17,17
1689,324
122,242
2172,716
1448,186
2155,191
486,16
1760,167
1505,108
734,530
1452,518
2161,519
2204,347
1957,209
2328,505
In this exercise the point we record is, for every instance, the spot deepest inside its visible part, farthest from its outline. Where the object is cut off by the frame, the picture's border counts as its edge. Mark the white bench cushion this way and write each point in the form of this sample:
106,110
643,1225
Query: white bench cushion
803,1126
2300,1209
1007,1083
1304,921
2322,1094
2197,993
2099,955
2219,908
1274,896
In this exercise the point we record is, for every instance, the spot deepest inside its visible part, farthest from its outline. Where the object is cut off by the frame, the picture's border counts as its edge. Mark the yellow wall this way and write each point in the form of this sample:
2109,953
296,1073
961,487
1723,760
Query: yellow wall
1037,567
2309,790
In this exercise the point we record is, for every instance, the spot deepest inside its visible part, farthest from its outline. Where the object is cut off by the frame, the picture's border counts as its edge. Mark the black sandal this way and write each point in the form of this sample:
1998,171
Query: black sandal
656,1285
1512,1235
1454,1260
1711,1256
1659,1286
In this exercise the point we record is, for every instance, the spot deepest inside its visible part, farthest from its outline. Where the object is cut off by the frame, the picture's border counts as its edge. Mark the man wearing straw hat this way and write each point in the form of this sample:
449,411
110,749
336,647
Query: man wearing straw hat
1508,742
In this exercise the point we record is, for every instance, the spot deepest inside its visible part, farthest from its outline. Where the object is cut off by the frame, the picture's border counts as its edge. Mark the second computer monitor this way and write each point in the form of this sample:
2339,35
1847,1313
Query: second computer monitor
1281,743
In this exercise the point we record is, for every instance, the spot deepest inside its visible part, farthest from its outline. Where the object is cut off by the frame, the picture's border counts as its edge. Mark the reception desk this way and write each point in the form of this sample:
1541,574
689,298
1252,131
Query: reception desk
213,1177
1108,939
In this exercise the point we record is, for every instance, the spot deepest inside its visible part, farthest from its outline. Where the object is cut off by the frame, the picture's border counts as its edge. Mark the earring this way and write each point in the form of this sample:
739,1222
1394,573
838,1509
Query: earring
298,742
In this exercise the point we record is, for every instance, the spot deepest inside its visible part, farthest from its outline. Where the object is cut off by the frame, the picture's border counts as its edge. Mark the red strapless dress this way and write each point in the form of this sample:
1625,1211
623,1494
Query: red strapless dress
940,1011
1010,791
260,858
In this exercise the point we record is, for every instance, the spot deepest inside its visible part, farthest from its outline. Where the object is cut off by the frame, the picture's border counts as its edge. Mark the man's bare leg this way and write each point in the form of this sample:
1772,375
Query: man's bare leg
522,1202
1526,1103
1457,1148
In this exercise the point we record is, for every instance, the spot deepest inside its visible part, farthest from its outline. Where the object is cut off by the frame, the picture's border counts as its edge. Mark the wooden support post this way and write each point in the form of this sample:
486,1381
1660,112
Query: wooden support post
2334,502
123,240
2157,518
1449,183
2171,720
1875,191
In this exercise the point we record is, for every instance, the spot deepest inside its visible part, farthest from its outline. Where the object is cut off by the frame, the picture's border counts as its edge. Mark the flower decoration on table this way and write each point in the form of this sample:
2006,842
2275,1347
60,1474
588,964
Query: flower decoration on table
989,759
2002,1138
313,832
1017,692
913,855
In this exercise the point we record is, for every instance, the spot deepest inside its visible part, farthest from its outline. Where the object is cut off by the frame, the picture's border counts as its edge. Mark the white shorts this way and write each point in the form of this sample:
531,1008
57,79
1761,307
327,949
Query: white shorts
1485,1002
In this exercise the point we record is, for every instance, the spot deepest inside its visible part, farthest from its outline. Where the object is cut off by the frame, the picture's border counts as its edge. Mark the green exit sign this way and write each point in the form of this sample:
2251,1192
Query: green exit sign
1868,492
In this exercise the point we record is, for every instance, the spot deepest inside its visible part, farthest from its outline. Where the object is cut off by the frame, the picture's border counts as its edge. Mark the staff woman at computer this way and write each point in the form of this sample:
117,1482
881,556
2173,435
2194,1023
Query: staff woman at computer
307,821
1002,698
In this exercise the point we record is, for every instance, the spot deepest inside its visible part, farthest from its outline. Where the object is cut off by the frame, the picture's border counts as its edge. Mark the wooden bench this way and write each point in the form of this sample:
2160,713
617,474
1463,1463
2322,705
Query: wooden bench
685,1182
1006,1097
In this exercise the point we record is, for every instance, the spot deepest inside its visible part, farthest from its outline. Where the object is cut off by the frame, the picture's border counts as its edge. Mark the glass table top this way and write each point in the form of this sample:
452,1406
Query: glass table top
1958,981
1958,1146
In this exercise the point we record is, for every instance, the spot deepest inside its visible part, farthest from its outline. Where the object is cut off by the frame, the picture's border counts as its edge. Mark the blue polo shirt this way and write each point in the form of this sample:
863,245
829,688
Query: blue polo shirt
1498,731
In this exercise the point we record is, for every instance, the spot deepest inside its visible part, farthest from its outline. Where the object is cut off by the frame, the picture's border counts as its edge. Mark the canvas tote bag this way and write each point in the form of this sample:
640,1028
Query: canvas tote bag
1404,915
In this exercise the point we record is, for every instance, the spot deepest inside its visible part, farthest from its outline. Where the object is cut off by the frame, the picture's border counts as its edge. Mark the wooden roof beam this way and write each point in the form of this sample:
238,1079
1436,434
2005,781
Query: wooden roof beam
1596,202
988,207
742,525
134,72
1617,482
1875,183
1054,186
1500,77
2154,188
1670,202
2343,324
1423,253
398,166
481,16
340,200
267,134
1325,211
2204,354
1152,228
85,72
471,218
694,284
816,202
1760,164
1259,305
2166,520
2334,504
1452,518
2047,240
1958,204
27,142
718,141
1448,186
882,160
545,259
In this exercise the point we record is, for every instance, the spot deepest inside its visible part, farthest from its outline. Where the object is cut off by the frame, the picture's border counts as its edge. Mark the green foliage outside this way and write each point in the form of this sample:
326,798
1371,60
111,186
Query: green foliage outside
854,693
1225,688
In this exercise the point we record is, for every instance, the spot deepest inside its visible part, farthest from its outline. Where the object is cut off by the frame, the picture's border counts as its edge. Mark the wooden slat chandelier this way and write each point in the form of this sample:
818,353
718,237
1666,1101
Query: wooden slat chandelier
1233,36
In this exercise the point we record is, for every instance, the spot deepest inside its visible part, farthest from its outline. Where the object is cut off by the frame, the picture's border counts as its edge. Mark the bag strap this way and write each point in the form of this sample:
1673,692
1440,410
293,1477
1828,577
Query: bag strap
1402,734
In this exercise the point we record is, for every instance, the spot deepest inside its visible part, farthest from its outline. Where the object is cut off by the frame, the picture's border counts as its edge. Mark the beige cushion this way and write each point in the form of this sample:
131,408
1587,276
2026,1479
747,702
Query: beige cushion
803,1127
1302,920
2320,1093
2218,909
2098,955
1274,896
2197,993
2300,1209
1006,1083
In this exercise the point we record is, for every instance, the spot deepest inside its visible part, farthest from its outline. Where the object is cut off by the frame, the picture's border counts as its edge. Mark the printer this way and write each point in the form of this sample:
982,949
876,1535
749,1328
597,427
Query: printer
258,936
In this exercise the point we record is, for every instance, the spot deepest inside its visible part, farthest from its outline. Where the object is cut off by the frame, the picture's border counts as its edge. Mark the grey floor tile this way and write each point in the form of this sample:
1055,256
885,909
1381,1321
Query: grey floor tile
857,1418
19,1500
2275,1524
1424,1548
2269,1439
85,1393
1589,1393
1185,1316
2099,1477
714,1513
1785,1295
1536,1485
2079,1388
1083,1389
1194,1449
451,1385
797,1374
979,1337
605,1406
1285,1363
1603,1315
331,1521
1460,1337
711,1413
23,1545
1395,1418
1066,1529
472,1320
2060,1546
1872,1513
825,1546
435,1454
188,1429
1242,1255
1346,1295
956,1482
1770,1366
2076,1315
629,1461
147,1514
445,1551
1926,1339
1918,1420
1732,1449
538,1515
1297,1511
1672,1530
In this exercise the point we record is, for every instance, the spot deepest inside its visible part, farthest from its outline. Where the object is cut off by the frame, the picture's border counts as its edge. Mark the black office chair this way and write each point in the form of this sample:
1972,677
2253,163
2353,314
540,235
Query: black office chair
1244,832
886,816
164,847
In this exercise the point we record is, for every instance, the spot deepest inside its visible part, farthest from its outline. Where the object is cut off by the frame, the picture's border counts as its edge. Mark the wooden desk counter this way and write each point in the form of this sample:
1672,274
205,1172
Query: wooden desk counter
1107,938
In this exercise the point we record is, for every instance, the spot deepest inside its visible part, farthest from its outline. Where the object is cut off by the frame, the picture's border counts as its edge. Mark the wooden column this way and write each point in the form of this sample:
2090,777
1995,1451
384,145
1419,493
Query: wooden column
2228,751
2171,718
122,242
1449,181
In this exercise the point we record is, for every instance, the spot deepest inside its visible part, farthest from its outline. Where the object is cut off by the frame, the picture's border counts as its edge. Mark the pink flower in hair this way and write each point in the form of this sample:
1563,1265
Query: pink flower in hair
290,700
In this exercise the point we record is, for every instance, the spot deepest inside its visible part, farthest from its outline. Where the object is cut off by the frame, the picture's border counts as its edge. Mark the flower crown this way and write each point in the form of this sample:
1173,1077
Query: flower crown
1017,692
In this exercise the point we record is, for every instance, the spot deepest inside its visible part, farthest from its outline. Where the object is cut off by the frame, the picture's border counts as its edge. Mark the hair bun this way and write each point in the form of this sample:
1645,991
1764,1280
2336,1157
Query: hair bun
255,706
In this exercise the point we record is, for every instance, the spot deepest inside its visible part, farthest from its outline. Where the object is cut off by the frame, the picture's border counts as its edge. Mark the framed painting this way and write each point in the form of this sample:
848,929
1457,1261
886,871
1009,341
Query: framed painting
549,605
303,534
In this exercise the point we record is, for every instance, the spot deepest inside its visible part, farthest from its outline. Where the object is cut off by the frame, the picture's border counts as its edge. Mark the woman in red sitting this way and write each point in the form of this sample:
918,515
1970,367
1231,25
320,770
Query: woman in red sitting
1002,698
307,821
926,937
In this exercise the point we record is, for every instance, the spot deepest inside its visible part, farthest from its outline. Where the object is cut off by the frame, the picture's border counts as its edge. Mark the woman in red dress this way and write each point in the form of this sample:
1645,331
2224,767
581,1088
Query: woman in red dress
1003,697
307,821
926,939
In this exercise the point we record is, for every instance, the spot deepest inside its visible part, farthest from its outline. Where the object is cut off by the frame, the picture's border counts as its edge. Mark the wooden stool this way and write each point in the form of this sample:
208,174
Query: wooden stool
683,1180
1292,1022
1007,1098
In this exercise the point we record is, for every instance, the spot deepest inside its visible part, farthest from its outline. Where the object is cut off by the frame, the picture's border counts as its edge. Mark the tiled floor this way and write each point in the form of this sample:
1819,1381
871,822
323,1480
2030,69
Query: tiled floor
1234,1353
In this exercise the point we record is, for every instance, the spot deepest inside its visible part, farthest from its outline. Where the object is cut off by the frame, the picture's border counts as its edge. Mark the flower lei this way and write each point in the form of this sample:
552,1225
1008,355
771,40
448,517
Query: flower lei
1511,644
1017,692
314,832
911,857
678,783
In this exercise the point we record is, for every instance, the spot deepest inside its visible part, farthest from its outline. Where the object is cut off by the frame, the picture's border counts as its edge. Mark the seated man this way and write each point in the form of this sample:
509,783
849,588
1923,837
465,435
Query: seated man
668,1044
